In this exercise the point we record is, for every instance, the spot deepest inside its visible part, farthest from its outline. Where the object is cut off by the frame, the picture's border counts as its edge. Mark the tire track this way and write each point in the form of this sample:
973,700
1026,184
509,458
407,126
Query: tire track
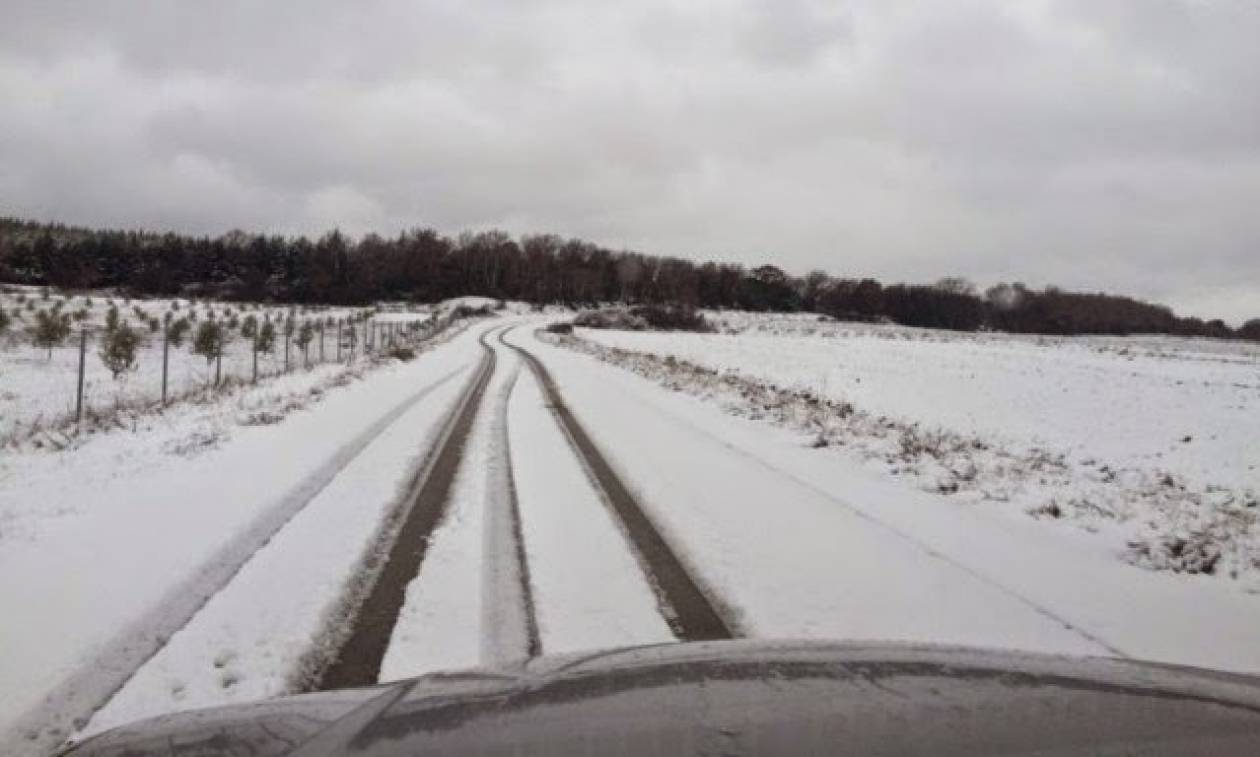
81,694
357,661
688,611
509,620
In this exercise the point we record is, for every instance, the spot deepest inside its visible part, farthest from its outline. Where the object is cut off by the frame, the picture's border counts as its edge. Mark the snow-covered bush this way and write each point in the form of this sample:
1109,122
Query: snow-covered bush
610,318
643,318
671,317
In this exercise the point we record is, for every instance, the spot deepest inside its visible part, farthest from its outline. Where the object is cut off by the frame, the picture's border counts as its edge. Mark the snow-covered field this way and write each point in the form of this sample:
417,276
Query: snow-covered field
1155,440
38,387
213,553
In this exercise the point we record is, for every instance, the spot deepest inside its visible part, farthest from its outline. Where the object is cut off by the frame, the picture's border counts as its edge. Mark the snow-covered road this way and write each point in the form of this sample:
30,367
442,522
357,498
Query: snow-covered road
241,573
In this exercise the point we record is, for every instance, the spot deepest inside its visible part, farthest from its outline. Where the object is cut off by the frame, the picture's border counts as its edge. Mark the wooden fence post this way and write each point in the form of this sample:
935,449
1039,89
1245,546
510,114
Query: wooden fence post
166,356
78,403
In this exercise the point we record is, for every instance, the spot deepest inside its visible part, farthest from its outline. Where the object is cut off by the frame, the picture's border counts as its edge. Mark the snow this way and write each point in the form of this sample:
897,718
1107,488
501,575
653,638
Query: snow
234,527
111,545
588,588
1153,443
778,553
248,643
510,633
1130,407
440,624
809,543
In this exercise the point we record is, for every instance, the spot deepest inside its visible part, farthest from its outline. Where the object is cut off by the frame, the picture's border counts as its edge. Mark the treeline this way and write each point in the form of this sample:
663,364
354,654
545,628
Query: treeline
425,266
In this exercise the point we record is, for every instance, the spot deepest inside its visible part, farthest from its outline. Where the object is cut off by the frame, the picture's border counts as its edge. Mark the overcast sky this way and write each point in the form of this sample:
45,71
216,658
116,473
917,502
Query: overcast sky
1097,144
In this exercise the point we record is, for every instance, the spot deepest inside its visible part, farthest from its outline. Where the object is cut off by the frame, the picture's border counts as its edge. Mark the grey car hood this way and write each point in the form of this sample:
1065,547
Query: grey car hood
740,697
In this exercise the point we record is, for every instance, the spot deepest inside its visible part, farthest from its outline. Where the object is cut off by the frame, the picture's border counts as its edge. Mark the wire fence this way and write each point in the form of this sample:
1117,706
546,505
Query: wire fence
66,381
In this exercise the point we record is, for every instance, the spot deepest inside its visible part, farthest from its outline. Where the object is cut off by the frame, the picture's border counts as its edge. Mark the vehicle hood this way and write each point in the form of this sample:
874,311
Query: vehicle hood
740,697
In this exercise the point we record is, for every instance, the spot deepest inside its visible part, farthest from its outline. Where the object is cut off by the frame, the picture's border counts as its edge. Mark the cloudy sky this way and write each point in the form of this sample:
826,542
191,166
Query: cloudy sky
1096,144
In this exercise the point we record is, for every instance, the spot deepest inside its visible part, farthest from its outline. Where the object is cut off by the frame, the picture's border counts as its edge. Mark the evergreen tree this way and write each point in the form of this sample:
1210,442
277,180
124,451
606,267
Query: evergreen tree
118,349
209,340
267,336
50,330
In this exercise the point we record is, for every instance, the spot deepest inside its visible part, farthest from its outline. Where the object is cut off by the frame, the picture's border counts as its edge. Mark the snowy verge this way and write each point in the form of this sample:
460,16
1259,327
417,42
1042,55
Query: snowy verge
788,559
110,547
1068,573
1156,519
254,638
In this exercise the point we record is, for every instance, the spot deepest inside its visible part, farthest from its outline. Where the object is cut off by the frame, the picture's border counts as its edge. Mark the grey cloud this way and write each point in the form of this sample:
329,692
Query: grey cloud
1109,145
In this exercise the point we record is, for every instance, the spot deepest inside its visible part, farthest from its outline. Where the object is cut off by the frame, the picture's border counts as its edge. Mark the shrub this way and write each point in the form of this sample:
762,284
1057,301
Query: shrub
266,336
403,353
643,317
464,311
304,336
50,330
610,318
671,317
118,350
177,329
209,340
560,328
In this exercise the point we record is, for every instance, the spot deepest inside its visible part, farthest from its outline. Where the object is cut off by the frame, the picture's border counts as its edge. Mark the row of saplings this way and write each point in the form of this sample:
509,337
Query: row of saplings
212,336
120,341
